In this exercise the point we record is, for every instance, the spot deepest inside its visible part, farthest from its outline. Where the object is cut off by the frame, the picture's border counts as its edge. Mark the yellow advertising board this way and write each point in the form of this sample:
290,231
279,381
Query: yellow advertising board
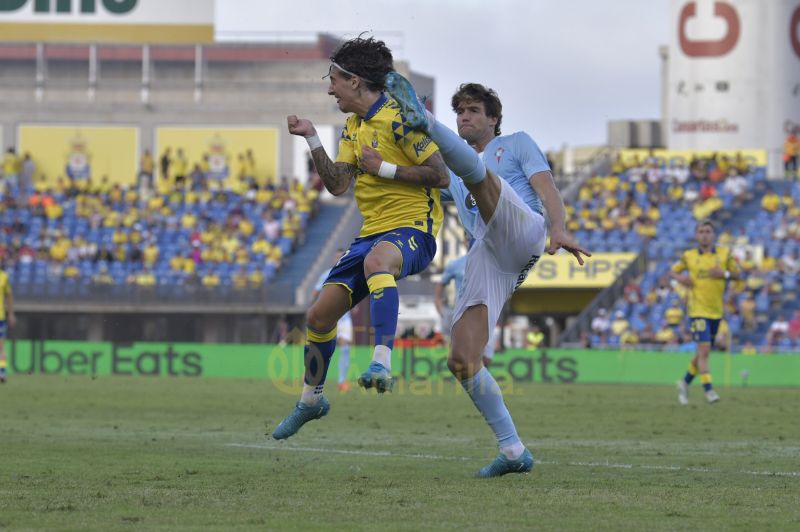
81,151
669,157
223,146
107,21
563,271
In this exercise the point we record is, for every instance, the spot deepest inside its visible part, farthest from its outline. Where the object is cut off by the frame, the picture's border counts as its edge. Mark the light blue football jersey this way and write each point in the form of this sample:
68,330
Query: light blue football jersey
515,158
454,271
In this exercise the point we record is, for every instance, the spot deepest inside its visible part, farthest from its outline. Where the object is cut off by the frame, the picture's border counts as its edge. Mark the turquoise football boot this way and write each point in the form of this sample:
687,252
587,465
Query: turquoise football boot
378,377
502,465
411,107
301,415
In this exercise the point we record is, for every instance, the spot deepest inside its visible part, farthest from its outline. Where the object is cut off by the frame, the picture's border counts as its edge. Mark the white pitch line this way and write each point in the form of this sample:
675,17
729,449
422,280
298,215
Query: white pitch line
345,451
608,465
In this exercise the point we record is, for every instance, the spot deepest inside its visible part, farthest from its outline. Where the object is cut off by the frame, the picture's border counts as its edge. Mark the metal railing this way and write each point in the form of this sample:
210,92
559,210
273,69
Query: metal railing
606,299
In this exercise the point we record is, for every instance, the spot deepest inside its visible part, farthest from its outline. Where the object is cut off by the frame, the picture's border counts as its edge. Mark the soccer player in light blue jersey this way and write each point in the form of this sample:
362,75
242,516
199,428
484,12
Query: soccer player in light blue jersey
511,182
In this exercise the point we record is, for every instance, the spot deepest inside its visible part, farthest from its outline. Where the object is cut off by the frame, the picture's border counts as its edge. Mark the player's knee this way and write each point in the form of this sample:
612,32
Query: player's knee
374,263
318,320
459,362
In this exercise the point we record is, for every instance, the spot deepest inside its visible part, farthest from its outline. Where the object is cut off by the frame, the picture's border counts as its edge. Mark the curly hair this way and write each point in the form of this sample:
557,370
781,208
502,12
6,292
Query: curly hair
368,59
475,92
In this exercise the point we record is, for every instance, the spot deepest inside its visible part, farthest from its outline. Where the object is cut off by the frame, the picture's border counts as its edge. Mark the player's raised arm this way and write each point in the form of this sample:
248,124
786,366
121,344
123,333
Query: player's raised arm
432,172
542,183
335,176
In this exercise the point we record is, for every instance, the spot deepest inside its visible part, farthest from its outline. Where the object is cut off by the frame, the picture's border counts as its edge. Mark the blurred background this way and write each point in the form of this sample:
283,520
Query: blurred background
151,192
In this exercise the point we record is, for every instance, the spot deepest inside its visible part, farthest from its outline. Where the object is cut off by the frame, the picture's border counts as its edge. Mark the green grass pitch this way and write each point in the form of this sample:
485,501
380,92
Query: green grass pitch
116,453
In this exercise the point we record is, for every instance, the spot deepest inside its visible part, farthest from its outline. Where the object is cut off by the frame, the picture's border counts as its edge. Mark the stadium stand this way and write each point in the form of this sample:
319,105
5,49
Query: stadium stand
76,235
655,206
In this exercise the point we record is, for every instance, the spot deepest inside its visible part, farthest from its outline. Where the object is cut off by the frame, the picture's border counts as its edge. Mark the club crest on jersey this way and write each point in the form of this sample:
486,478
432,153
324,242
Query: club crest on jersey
375,140
470,203
498,153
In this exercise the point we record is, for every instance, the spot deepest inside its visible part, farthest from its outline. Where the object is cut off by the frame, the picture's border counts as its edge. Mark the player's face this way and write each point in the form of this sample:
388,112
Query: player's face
705,236
342,89
473,124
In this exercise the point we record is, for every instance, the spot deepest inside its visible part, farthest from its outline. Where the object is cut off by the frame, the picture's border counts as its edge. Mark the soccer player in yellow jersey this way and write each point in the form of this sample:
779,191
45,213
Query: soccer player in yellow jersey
399,200
707,268
7,319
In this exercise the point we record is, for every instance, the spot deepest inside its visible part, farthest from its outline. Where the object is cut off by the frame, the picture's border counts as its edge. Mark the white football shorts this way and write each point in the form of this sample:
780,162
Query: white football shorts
504,251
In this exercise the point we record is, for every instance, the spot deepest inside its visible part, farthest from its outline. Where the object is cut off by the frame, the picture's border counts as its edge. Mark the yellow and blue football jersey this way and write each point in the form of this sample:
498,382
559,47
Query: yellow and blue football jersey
706,294
386,204
5,290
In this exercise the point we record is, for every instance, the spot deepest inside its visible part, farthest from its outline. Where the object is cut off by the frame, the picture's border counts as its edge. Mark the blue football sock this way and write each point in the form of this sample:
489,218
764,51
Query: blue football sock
384,304
488,399
344,363
318,353
690,374
459,156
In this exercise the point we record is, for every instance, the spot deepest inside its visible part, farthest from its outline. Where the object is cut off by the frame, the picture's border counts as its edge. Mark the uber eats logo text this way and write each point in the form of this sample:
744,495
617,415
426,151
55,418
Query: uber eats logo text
46,359
116,7
531,366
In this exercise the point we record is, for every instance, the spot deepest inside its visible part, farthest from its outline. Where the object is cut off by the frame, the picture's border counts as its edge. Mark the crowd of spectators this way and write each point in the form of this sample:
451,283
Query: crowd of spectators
184,231
638,196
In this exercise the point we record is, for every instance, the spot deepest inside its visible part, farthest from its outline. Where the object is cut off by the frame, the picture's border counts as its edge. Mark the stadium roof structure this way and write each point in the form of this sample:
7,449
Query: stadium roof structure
232,52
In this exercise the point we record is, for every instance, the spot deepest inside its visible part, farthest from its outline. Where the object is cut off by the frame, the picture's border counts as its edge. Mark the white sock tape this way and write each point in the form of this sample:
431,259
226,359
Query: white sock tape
314,142
387,170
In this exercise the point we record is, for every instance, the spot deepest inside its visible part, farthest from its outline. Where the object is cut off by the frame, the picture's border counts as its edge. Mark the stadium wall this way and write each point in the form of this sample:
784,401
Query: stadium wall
283,365
222,84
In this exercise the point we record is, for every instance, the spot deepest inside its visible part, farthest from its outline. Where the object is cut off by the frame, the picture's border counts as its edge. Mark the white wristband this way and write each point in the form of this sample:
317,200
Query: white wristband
314,142
387,170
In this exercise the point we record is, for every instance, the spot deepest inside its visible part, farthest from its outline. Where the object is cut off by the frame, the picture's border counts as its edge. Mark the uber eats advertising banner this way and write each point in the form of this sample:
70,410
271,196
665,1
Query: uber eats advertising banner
283,365
112,21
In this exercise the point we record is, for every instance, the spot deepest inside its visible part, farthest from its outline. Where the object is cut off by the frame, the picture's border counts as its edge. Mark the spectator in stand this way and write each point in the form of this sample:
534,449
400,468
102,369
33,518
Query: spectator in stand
749,349
777,331
647,335
271,226
791,154
102,277
10,166
164,164
629,339
620,324
771,202
146,170
666,335
789,263
794,327
673,315
180,166
736,186
600,324
27,171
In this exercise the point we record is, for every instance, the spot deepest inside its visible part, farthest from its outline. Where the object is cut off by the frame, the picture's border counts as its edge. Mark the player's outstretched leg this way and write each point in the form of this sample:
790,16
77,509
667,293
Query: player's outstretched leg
470,336
312,404
459,156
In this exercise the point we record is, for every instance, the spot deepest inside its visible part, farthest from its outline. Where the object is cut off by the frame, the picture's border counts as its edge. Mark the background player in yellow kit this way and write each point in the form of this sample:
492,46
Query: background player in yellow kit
7,320
707,269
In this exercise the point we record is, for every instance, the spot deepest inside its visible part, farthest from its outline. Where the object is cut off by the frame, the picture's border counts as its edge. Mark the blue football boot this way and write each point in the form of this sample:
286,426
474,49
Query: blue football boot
502,465
301,415
378,377
411,107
